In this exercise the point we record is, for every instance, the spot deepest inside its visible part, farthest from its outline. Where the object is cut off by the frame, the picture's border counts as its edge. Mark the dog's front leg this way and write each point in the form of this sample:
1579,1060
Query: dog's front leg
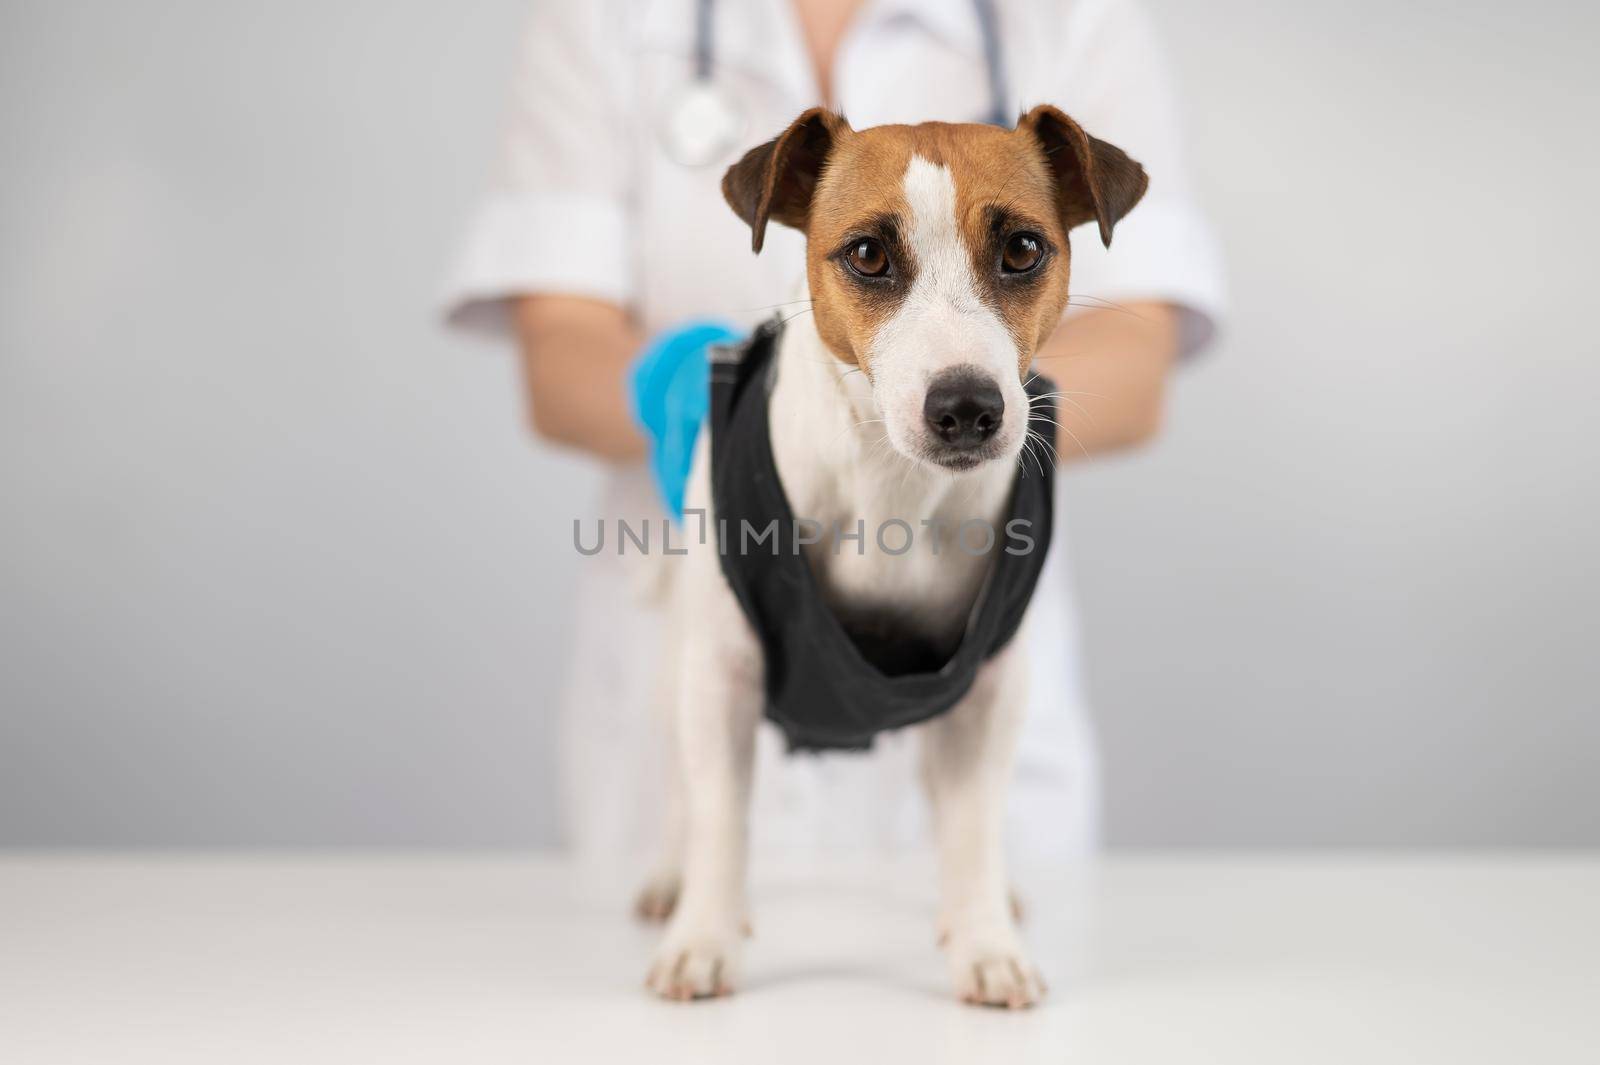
718,709
659,895
968,755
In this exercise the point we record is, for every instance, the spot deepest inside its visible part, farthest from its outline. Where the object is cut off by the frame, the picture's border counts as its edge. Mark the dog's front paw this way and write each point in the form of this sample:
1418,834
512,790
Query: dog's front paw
695,963
994,971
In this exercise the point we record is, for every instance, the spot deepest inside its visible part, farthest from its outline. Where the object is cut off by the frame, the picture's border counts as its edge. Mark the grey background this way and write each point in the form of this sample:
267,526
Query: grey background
278,564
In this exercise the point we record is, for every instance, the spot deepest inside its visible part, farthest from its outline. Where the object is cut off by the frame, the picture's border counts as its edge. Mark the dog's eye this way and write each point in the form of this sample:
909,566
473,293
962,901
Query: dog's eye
1022,253
868,258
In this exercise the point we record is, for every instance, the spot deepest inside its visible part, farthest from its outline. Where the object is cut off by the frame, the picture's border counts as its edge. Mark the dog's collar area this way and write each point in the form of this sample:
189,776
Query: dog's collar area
827,687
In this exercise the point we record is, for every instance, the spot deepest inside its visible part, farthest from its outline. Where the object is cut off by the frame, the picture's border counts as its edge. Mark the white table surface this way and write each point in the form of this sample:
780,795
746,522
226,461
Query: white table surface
387,958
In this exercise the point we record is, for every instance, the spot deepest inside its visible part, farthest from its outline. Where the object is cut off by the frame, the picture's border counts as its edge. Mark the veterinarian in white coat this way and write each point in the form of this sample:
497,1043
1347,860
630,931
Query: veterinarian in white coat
596,237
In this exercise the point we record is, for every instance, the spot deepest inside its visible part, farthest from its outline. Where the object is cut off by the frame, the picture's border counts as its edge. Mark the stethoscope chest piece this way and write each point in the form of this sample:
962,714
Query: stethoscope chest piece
702,124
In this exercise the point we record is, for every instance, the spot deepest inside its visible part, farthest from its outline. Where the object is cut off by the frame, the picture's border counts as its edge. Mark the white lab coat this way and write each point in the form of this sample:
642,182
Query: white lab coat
585,201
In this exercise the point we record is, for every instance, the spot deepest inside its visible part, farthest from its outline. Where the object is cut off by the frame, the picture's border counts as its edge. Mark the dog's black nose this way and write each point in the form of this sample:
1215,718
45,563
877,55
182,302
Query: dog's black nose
963,408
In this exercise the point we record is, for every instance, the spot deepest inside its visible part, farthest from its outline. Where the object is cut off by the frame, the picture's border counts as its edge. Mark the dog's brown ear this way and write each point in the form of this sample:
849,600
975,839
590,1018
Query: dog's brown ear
1094,180
776,180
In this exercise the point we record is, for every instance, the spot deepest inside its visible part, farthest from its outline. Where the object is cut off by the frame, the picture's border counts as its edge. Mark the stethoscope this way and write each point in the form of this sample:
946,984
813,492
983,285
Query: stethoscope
704,123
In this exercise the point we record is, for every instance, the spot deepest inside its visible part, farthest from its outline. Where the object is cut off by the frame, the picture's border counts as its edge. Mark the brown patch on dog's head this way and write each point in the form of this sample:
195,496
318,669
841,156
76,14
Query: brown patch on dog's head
775,181
1094,180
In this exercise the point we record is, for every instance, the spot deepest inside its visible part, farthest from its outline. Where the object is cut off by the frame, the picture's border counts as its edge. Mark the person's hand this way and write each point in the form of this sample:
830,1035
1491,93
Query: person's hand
671,392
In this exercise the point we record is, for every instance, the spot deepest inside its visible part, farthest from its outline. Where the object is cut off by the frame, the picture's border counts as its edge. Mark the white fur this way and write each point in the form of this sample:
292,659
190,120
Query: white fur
849,449
942,322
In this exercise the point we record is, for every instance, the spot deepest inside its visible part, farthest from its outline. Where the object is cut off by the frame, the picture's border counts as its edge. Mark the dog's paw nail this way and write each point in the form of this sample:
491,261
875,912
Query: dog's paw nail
997,978
657,899
683,973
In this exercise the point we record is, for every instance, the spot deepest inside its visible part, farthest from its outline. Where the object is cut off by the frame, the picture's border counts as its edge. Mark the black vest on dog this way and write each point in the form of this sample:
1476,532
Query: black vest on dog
832,682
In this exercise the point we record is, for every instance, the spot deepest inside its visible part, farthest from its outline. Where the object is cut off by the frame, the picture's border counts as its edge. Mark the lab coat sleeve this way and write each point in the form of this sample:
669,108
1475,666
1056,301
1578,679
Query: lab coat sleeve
555,219
1116,81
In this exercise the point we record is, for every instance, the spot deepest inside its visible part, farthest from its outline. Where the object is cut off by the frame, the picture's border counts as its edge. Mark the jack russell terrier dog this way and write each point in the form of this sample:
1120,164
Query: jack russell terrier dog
937,263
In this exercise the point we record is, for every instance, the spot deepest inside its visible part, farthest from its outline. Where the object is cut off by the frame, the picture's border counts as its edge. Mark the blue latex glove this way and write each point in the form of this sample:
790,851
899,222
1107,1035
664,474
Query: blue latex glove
671,386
